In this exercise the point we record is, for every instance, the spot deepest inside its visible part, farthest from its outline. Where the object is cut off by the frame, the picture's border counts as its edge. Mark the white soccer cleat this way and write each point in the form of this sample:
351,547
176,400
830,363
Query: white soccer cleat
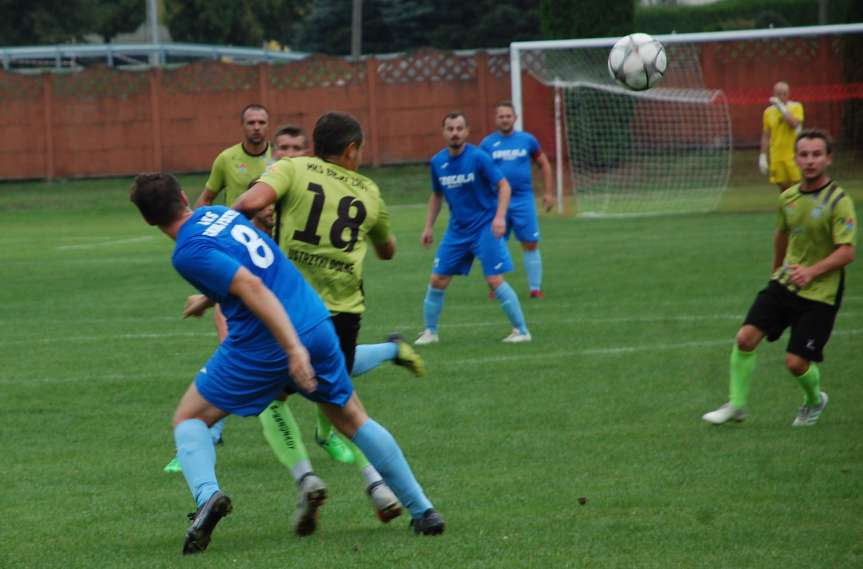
516,337
385,503
312,495
427,337
727,412
808,416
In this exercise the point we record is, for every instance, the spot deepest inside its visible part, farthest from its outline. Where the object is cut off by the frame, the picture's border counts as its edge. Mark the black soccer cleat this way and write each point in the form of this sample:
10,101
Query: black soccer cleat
430,523
204,522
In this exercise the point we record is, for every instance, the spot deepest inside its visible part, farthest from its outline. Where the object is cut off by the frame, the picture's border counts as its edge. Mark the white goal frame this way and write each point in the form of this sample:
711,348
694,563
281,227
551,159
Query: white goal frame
517,48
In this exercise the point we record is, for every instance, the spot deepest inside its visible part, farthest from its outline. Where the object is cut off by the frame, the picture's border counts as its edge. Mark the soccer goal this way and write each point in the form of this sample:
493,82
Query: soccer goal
668,149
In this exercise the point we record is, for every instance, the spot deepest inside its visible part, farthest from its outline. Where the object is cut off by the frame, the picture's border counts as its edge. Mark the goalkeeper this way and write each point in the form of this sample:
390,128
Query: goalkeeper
782,120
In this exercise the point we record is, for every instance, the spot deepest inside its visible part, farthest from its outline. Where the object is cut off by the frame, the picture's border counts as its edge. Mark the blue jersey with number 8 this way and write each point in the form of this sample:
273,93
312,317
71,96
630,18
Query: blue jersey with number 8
211,247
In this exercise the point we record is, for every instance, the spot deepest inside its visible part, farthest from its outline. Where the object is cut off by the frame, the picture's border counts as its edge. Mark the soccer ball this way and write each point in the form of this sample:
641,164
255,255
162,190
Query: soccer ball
637,62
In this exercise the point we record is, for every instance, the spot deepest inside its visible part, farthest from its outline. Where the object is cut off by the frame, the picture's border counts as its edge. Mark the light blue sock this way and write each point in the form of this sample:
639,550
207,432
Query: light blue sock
369,356
384,453
432,306
511,307
533,268
197,456
216,430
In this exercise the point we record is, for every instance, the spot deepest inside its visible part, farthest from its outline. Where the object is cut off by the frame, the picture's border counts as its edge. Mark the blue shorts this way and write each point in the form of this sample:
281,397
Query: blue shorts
521,218
244,384
456,253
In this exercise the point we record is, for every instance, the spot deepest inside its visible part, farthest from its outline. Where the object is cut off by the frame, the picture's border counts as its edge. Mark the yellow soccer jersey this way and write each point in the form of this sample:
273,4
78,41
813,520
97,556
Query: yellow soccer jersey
782,136
324,215
816,222
233,169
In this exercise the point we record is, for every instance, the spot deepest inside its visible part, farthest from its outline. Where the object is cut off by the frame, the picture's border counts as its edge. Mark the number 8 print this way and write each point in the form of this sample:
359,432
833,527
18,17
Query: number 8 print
259,251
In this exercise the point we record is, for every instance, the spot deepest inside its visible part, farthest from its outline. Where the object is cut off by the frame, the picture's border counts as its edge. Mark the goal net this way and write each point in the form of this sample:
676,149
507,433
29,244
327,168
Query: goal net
669,149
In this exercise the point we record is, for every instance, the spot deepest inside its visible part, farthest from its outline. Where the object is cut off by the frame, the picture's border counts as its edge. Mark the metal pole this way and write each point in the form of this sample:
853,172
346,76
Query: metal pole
153,25
357,30
558,147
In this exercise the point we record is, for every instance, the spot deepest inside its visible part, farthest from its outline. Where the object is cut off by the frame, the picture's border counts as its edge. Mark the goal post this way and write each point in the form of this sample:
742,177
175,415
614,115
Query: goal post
669,149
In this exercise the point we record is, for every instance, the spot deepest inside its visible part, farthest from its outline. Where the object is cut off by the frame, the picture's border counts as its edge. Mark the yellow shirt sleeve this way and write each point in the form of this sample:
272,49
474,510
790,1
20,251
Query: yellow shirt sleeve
797,112
280,176
381,232
216,181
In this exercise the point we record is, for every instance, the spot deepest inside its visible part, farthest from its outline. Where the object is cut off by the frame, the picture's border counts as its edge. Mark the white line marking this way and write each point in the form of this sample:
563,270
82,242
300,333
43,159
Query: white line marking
106,243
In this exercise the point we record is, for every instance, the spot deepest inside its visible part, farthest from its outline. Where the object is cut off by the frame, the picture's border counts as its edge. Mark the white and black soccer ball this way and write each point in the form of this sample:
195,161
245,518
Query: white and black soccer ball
637,62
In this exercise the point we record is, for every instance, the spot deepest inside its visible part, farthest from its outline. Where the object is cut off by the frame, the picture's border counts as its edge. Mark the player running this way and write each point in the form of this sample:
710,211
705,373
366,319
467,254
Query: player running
478,196
281,338
514,152
816,232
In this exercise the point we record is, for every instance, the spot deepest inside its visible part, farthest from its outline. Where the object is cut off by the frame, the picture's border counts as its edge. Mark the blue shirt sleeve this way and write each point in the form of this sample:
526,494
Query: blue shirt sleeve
208,269
486,144
533,145
436,187
488,170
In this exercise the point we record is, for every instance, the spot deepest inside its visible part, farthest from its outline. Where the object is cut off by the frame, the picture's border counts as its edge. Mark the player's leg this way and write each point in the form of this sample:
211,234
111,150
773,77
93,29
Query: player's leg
369,356
496,261
766,317
810,333
453,257
197,456
523,219
384,453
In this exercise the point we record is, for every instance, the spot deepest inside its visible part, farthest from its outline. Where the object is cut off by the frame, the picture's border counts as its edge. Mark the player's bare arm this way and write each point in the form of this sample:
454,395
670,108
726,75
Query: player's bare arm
385,250
780,246
498,224
843,255
255,199
197,305
548,197
264,304
434,206
206,198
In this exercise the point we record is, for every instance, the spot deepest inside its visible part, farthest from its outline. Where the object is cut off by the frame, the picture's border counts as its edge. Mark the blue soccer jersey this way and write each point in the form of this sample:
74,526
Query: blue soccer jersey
213,244
469,184
514,154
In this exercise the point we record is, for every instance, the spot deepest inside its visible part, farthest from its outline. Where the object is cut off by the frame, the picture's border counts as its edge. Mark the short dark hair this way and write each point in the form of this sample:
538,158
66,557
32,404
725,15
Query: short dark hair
252,106
813,133
290,130
505,103
158,196
453,115
334,132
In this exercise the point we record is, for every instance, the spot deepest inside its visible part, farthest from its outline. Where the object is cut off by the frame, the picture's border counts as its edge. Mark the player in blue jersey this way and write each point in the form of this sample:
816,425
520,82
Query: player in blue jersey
514,153
478,195
280,337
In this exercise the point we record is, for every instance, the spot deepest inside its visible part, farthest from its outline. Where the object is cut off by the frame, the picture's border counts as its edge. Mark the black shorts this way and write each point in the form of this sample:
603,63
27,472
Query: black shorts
347,329
776,308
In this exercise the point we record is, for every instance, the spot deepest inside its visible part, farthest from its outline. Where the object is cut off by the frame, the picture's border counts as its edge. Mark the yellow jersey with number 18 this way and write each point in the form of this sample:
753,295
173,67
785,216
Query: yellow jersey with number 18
324,214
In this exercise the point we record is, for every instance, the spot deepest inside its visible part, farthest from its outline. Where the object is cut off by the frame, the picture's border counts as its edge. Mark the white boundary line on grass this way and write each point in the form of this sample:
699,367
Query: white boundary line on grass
105,243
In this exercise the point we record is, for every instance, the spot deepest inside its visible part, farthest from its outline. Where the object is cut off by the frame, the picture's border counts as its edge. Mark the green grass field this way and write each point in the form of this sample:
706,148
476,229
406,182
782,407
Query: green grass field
631,348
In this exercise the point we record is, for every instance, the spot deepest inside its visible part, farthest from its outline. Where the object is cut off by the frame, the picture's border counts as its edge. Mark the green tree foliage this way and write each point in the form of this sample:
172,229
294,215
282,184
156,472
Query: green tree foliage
35,22
399,25
230,22
565,19
109,18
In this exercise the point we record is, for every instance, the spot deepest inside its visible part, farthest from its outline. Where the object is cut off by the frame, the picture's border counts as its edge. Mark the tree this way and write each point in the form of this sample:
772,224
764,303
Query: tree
35,22
109,18
230,22
565,19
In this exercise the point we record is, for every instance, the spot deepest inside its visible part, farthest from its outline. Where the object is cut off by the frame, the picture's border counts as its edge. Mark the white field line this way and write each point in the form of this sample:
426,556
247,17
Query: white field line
109,243
616,351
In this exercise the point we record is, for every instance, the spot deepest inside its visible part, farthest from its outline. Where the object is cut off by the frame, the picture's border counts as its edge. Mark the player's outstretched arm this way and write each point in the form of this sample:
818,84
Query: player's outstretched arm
548,197
434,206
206,198
385,250
255,199
269,310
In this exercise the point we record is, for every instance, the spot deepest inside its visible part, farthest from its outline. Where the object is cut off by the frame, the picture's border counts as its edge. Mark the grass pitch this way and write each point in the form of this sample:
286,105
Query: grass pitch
630,348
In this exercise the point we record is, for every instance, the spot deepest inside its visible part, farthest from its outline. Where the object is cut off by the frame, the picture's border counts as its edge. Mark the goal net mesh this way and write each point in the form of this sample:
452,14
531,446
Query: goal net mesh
665,150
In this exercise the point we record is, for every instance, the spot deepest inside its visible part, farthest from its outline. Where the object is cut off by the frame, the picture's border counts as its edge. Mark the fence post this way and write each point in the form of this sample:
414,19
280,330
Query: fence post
372,127
48,105
481,58
156,116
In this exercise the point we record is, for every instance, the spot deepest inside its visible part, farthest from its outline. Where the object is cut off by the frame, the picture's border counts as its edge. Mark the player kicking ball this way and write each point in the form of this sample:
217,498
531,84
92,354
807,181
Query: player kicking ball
816,232
281,339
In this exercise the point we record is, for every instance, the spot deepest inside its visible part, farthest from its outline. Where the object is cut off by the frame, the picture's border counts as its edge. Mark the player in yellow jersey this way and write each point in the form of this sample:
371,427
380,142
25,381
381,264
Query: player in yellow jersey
326,212
816,234
782,120
238,165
